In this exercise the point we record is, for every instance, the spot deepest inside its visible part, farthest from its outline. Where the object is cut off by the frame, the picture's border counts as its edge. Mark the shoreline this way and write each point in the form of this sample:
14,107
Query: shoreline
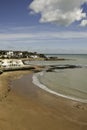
10,75
38,109
42,86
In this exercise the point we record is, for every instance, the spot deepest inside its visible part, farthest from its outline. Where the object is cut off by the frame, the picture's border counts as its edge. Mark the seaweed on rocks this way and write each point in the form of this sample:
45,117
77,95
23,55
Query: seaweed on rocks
67,66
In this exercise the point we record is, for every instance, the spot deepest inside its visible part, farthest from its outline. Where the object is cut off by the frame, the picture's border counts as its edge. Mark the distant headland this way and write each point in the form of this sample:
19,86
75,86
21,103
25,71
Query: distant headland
10,54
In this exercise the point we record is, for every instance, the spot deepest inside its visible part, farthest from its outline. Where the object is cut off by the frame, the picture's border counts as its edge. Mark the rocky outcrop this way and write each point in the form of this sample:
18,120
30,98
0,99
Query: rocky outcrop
52,68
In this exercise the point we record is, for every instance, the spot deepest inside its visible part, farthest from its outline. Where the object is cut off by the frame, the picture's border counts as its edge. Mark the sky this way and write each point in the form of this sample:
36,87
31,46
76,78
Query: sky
44,26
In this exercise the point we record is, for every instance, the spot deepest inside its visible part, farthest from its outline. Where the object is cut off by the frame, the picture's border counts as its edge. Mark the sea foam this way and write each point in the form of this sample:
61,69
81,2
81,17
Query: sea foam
42,86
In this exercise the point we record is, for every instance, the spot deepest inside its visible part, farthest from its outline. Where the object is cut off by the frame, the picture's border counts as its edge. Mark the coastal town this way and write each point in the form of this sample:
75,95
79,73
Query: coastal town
12,60
9,54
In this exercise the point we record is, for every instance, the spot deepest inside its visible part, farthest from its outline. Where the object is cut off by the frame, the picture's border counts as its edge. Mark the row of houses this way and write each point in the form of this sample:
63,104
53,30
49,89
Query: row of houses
10,54
19,54
6,63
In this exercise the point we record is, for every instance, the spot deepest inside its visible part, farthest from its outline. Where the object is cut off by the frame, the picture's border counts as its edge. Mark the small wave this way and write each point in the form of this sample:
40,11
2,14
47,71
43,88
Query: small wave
37,83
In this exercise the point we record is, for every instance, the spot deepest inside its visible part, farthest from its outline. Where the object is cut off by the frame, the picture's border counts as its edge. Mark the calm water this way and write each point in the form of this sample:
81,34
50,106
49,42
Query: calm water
71,83
71,59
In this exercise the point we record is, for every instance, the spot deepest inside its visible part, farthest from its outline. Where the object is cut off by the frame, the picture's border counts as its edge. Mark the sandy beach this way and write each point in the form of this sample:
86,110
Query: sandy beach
24,106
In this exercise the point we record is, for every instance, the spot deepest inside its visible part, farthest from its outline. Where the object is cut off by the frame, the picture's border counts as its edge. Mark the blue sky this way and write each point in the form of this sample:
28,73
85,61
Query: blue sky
44,26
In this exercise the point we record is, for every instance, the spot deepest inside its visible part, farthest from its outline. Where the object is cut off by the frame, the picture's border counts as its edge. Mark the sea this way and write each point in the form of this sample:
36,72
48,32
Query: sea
69,83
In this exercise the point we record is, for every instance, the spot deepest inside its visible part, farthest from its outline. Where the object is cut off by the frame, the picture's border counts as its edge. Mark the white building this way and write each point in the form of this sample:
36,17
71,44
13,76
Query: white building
10,53
11,63
5,63
34,56
20,54
19,62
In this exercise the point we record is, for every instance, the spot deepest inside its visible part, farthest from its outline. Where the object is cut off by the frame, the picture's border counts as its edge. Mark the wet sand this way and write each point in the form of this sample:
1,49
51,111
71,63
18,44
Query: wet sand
28,107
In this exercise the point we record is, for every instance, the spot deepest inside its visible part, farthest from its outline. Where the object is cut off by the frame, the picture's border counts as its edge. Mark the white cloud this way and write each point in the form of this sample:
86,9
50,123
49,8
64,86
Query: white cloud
37,41
36,36
14,36
63,12
83,23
